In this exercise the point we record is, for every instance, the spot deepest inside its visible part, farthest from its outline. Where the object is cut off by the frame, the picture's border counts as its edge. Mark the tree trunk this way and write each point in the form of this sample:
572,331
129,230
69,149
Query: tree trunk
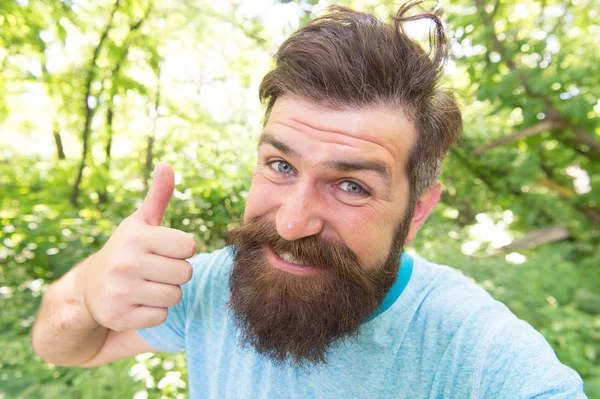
152,135
103,195
109,129
89,112
149,159
60,152
47,79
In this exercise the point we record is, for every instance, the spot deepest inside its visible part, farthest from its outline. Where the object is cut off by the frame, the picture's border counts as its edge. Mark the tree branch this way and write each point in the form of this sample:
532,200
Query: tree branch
581,137
547,125
489,177
538,237
584,138
590,212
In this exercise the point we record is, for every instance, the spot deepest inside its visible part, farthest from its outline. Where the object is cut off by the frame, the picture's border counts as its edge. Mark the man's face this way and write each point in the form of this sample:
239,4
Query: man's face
337,174
326,217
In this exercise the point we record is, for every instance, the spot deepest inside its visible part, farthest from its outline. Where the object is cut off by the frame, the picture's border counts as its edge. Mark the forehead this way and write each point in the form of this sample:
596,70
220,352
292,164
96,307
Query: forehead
379,132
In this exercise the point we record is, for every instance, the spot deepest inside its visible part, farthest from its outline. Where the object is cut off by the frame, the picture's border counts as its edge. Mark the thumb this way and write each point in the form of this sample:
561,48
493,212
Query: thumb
157,200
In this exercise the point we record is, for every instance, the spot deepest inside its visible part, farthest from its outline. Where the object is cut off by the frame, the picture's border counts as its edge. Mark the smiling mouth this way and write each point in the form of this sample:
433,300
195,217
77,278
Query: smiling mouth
286,262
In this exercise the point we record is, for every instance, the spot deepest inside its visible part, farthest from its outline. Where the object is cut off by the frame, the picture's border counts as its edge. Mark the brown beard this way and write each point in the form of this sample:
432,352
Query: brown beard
296,318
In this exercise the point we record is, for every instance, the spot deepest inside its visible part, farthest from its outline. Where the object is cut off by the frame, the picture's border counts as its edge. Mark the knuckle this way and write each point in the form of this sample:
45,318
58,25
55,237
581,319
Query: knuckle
118,262
111,312
158,317
121,266
175,295
192,247
119,295
162,316
188,271
115,320
189,247
134,237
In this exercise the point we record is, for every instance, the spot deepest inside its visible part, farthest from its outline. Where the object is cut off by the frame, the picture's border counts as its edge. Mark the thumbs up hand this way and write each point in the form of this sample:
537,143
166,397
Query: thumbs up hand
135,277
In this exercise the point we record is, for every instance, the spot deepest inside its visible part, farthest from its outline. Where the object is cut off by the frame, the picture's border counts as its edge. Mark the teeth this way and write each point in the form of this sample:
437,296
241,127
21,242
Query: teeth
289,258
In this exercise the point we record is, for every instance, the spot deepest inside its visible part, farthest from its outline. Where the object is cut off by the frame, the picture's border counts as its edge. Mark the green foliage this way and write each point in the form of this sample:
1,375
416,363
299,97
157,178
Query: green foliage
177,81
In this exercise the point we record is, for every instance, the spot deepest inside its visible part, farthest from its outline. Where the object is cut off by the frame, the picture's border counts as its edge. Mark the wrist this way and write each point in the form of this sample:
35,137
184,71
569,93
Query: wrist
77,310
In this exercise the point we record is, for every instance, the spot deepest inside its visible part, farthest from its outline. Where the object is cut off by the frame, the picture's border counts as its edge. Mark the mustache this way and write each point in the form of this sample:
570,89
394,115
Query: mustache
312,250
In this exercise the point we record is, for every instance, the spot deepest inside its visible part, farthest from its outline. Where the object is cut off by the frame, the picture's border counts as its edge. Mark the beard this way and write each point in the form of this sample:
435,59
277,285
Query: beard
296,319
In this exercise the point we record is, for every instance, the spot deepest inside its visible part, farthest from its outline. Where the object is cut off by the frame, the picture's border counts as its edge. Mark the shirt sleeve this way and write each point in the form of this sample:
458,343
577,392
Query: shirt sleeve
517,362
170,336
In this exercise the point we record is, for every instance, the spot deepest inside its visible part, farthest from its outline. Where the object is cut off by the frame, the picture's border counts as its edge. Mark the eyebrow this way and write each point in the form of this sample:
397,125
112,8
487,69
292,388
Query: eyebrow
350,166
339,166
280,145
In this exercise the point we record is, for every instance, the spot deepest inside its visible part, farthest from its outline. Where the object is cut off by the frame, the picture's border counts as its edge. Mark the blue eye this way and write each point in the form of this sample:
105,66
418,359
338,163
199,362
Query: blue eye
282,167
352,187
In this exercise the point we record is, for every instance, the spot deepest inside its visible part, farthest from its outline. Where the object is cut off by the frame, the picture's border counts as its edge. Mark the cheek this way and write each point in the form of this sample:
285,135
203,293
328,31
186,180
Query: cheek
367,233
261,198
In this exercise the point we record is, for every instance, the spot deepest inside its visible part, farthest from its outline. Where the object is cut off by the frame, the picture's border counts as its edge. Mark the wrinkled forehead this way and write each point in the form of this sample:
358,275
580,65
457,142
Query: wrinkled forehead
404,112
384,126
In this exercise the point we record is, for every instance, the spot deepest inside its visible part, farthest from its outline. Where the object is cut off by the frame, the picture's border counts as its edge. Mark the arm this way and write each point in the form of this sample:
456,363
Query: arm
89,316
67,335
119,345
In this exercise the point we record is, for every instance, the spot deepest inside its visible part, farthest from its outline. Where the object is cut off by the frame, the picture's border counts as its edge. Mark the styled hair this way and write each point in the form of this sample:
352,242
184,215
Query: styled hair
349,59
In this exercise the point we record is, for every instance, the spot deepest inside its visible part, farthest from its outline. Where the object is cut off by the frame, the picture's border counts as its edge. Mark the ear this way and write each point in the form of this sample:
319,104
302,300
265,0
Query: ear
423,208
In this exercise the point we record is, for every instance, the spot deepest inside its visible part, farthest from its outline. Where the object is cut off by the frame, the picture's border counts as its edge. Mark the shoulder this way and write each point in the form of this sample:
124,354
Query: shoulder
500,355
450,312
449,295
517,361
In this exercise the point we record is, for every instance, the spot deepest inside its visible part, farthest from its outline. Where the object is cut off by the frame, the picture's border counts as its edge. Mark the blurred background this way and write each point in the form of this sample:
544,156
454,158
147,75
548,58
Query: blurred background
94,92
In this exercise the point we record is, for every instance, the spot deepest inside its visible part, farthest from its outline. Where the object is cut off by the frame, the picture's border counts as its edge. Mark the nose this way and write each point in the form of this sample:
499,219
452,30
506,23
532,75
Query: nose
298,215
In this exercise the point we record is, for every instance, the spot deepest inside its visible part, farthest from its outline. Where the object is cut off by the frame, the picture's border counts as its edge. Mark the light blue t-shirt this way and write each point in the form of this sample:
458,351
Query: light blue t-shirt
437,335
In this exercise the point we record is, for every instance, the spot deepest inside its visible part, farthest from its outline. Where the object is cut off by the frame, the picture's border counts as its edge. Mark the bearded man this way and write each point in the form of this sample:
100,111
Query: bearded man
314,298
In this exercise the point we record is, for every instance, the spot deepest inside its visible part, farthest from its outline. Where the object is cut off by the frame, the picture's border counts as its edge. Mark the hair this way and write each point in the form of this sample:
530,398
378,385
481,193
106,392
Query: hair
349,59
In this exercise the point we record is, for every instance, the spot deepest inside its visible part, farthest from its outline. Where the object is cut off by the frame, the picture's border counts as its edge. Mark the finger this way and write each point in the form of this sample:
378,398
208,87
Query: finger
148,316
157,200
156,294
160,269
169,242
